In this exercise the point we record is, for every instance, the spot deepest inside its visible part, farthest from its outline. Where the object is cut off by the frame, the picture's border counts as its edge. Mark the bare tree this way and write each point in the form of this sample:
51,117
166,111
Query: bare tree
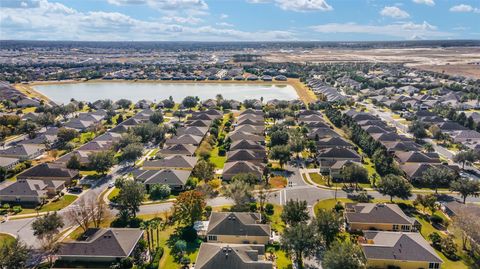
88,212
470,226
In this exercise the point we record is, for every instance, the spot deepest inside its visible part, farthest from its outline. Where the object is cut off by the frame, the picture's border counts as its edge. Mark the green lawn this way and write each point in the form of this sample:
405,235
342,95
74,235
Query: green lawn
219,161
63,202
282,261
322,180
5,239
114,193
275,220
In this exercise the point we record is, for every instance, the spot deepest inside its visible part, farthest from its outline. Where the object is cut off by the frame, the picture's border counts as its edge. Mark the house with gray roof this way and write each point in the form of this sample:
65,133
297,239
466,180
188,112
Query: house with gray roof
232,256
23,152
239,135
174,178
246,155
178,149
101,245
192,130
172,162
383,217
237,228
30,191
49,171
184,139
242,167
8,163
399,249
247,144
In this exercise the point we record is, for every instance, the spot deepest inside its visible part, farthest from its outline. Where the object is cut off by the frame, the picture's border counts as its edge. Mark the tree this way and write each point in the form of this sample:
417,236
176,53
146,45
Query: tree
436,132
204,170
179,114
344,255
393,185
300,241
436,176
130,198
132,152
353,172
465,187
281,153
3,173
47,225
470,226
74,162
294,212
463,157
124,103
101,161
383,161
45,119
127,139
149,132
418,129
160,191
296,142
428,147
189,207
241,194
427,201
14,255
156,117
278,137
250,178
66,135
328,224
189,102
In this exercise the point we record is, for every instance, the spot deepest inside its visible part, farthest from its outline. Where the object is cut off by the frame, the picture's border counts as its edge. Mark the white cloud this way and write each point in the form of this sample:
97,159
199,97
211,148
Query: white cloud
224,24
464,8
425,2
54,21
297,5
163,4
223,16
394,12
182,20
398,30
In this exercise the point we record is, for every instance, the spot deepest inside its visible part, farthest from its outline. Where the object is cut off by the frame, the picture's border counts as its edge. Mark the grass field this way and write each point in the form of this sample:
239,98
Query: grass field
63,202
5,239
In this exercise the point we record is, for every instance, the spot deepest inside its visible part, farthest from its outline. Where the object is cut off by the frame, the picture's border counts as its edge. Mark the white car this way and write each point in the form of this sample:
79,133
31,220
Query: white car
111,184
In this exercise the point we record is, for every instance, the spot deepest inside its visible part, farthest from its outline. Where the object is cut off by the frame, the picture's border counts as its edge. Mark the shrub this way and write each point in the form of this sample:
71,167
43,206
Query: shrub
215,183
339,207
363,197
435,219
269,209
179,247
154,264
17,209
160,191
189,234
253,207
436,240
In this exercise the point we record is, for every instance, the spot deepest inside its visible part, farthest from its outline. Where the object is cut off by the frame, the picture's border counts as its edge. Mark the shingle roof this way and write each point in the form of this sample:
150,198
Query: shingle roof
235,136
49,170
237,223
175,161
29,187
184,139
192,130
338,153
415,157
231,256
400,246
164,176
376,213
245,155
184,149
111,242
246,144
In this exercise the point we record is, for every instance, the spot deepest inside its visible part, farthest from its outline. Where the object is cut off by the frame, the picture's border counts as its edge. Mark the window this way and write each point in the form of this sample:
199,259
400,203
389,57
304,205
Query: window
212,238
433,265
395,227
405,228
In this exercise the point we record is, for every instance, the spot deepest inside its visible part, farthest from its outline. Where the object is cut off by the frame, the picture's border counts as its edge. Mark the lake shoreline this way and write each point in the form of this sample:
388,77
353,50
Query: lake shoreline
303,92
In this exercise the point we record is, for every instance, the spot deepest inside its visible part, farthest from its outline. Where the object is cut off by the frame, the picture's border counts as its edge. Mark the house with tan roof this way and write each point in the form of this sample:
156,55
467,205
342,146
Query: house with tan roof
172,162
403,250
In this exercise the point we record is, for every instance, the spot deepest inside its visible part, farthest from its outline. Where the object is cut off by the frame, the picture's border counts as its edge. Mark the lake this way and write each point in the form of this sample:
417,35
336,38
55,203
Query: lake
92,91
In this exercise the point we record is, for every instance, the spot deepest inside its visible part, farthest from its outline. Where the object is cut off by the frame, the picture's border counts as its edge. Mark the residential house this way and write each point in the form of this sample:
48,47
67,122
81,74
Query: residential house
246,155
8,163
242,167
247,144
329,156
49,171
233,256
171,162
30,191
178,149
383,217
184,139
405,250
174,178
237,228
23,152
101,245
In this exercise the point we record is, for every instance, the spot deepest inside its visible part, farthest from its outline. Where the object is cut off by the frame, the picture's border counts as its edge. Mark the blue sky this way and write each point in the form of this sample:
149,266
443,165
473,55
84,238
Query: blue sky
239,20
